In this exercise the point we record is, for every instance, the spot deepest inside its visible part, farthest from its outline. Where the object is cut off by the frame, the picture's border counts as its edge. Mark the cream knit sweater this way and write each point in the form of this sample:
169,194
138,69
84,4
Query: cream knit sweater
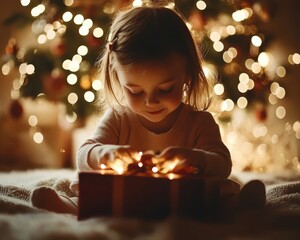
196,130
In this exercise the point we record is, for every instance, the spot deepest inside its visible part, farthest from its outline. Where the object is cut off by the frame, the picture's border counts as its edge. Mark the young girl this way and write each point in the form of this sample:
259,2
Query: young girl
157,95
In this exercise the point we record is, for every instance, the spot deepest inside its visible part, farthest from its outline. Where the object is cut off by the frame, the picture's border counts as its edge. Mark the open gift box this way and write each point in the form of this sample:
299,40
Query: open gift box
143,195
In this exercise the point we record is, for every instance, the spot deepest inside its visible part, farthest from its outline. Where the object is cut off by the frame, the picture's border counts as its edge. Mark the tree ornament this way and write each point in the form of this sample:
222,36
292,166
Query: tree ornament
54,85
16,109
12,47
261,114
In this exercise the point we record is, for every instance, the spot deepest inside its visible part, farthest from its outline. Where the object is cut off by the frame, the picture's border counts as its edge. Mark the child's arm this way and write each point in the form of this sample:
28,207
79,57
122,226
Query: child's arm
103,147
209,155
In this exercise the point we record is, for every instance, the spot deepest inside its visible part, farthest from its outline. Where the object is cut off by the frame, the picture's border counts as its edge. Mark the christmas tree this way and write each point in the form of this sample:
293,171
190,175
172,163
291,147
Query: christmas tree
68,36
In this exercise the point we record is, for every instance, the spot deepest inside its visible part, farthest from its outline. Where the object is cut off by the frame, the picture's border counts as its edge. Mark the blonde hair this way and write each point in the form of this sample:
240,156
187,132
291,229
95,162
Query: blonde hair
151,33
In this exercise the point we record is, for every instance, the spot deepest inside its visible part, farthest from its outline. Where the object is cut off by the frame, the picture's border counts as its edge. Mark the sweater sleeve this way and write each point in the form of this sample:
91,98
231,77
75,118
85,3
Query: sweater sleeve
106,132
209,142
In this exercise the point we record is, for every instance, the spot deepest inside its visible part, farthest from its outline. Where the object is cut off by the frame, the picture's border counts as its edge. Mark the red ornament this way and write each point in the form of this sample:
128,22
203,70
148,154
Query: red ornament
16,109
93,41
59,49
261,114
54,85
12,47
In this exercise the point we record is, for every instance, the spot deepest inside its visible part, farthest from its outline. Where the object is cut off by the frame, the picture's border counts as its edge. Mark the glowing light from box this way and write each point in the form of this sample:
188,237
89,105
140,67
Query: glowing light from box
38,137
103,166
155,169
137,3
140,164
201,5
67,16
32,120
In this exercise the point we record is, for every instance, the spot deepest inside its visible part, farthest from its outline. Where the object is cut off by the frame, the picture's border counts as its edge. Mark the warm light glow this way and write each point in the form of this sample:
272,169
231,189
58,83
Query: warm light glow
280,112
219,89
83,31
42,39
218,46
97,85
38,137
227,105
281,72
230,30
256,67
140,164
137,3
25,3
32,120
71,117
30,69
296,58
22,68
82,50
102,166
215,36
201,5
67,16
69,3
263,59
78,19
72,79
242,102
89,96
88,23
256,41
39,9
72,98
98,32
155,169
6,69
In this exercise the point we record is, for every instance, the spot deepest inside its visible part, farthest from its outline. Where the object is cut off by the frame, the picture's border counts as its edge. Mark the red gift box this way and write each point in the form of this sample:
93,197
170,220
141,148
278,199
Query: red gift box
142,195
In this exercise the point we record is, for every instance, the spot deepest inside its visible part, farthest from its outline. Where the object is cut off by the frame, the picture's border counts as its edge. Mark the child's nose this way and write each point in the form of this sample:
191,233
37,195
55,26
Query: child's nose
151,99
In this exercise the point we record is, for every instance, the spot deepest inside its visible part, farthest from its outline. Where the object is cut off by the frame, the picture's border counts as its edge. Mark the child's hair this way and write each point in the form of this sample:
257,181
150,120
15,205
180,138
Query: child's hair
151,33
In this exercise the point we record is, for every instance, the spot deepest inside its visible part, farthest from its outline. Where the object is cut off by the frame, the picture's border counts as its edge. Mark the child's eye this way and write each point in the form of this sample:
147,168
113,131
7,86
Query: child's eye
136,93
167,90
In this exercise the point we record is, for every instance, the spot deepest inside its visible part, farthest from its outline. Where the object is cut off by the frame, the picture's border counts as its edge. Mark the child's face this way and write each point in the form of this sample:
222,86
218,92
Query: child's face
153,90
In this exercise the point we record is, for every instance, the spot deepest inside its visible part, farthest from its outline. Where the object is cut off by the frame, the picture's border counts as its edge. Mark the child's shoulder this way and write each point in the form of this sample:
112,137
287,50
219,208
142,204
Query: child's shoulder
197,114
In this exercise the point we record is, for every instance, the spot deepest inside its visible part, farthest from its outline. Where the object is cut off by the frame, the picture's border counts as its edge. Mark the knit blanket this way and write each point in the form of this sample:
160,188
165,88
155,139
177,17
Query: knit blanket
20,220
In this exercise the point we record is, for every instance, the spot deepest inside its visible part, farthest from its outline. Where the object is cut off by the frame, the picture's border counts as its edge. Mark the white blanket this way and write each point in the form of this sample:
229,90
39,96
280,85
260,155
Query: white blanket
20,220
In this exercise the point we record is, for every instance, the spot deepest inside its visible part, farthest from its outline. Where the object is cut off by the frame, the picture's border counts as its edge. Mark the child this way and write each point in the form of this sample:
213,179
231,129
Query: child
158,95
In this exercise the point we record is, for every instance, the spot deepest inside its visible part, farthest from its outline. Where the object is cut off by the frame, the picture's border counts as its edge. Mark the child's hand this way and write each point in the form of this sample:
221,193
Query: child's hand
118,157
182,160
